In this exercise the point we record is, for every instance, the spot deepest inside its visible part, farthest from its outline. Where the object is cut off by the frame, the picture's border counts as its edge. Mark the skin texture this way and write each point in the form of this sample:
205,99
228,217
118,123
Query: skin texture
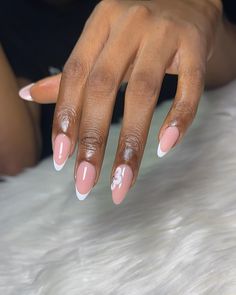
19,124
145,39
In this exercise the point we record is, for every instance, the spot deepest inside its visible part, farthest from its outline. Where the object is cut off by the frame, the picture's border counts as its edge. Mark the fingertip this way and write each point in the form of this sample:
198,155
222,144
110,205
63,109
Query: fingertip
25,92
121,183
58,167
81,197
46,90
168,140
160,153
61,151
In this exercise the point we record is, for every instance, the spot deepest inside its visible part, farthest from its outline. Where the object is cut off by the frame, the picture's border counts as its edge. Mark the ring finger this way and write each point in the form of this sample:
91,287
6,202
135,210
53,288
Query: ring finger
140,101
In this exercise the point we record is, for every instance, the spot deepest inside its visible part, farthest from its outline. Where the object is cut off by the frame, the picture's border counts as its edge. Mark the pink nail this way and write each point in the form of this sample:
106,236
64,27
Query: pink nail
24,93
85,179
61,151
167,141
121,183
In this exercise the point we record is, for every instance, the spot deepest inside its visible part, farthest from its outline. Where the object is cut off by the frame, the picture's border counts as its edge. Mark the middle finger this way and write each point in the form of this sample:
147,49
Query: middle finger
102,86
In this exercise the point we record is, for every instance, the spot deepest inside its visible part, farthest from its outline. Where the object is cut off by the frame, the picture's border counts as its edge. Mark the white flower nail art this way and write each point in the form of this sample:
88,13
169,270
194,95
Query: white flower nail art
117,179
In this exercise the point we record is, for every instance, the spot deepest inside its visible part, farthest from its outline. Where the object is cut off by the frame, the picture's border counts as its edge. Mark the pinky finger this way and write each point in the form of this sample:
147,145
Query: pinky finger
184,108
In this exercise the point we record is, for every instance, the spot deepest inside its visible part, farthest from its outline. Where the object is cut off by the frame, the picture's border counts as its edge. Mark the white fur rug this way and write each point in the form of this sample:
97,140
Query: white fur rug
174,235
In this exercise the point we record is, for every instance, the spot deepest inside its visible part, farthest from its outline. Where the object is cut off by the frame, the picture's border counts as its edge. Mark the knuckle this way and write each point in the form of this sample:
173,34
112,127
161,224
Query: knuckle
66,117
143,86
102,82
139,10
192,28
75,68
193,32
167,24
92,140
132,142
106,4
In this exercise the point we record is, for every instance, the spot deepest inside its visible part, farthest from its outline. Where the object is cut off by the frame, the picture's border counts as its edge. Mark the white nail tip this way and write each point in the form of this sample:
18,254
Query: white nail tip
80,196
24,93
58,167
160,153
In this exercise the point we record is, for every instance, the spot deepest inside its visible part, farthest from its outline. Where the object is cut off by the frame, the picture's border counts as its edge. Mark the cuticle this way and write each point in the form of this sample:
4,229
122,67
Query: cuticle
173,123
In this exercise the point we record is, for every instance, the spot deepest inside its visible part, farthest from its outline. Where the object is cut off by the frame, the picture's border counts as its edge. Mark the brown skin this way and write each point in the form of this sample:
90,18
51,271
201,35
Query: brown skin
221,67
20,145
19,124
154,37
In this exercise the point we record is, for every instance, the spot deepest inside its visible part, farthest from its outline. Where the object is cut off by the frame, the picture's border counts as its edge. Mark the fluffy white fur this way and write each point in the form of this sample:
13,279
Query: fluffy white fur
174,234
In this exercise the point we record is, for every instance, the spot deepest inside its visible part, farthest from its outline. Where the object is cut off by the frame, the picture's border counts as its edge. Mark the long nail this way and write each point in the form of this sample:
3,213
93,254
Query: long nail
121,183
61,151
85,179
24,93
168,140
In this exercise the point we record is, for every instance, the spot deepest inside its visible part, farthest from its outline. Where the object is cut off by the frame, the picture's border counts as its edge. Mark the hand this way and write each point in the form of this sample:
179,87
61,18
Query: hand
151,37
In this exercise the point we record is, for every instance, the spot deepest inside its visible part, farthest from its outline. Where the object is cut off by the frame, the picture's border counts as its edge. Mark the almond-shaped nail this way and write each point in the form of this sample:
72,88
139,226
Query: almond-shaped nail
121,183
85,179
168,140
24,93
61,151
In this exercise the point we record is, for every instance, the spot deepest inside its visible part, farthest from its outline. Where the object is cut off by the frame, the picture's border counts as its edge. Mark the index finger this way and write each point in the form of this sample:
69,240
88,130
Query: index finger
71,92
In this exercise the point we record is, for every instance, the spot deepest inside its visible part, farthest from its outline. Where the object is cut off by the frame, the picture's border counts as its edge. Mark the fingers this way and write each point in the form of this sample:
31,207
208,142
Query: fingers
140,101
184,108
47,90
90,81
102,86
44,91
71,92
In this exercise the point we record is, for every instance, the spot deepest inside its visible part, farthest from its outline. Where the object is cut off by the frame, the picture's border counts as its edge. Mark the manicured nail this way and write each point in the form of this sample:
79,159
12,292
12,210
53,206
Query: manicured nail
24,93
121,183
85,179
168,140
61,151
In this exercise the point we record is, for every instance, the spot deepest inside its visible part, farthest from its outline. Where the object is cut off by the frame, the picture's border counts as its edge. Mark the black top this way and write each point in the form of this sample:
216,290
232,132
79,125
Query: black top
38,37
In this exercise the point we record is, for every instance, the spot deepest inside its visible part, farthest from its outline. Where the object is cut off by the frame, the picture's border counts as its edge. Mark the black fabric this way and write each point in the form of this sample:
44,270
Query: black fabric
229,7
38,37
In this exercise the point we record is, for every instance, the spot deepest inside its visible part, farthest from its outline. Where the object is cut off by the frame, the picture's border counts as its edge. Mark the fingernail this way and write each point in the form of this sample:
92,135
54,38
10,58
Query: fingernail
121,183
85,179
24,93
61,151
167,141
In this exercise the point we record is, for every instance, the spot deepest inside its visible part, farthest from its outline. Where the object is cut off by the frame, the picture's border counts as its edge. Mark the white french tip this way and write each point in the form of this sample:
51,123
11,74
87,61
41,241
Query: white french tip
24,93
160,153
80,196
58,167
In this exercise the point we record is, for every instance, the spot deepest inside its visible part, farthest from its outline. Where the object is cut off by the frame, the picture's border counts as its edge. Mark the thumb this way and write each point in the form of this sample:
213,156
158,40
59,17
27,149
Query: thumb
44,91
